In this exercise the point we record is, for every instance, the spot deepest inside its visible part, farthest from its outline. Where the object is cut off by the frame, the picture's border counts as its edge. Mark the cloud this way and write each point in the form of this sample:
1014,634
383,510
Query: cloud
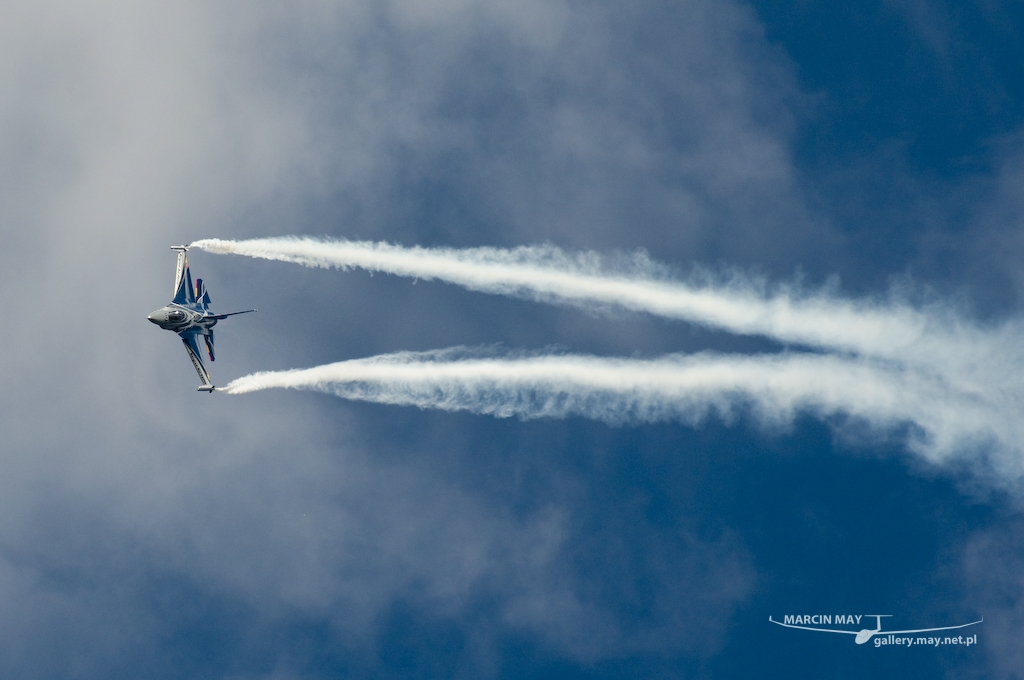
215,535
992,570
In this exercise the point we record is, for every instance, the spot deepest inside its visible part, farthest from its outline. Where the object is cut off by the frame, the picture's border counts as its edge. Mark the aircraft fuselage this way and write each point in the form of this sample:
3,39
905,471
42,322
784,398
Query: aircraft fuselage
180,319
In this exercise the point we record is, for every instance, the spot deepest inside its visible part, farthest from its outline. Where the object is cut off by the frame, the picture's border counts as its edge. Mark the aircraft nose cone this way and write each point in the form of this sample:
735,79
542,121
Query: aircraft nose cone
158,317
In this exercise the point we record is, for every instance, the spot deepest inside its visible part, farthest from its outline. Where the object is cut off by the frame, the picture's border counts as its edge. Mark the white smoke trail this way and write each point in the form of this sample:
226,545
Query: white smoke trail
548,274
934,340
676,387
885,363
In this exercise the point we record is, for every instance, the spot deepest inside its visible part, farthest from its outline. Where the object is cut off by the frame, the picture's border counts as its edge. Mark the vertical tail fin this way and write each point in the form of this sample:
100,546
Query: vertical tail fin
202,295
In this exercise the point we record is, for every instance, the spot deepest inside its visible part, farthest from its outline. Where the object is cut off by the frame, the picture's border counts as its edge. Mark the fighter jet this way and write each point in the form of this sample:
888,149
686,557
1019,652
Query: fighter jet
188,316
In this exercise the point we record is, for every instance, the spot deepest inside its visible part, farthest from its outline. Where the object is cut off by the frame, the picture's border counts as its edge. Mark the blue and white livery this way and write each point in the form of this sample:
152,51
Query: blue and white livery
188,315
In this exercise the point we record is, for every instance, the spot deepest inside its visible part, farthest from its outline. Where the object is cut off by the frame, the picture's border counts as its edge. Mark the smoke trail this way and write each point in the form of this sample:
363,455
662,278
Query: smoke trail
885,364
687,388
935,340
545,273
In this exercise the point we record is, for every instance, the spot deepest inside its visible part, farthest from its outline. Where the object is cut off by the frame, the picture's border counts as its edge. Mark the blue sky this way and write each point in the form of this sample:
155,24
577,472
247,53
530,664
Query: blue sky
873,152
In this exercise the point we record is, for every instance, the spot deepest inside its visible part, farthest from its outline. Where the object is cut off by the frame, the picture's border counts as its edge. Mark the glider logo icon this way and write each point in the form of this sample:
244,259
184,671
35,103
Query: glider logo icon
882,637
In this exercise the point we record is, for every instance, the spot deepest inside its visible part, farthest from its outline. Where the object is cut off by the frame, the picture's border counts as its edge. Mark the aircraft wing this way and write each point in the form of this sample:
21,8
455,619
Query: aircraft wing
183,292
192,347
224,316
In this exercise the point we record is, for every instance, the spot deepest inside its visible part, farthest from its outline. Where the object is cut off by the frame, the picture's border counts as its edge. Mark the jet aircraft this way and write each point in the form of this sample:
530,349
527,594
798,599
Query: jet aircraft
188,315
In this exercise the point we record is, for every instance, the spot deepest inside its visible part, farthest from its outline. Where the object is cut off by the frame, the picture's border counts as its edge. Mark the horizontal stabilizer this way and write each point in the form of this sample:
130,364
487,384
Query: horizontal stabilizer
208,336
206,388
